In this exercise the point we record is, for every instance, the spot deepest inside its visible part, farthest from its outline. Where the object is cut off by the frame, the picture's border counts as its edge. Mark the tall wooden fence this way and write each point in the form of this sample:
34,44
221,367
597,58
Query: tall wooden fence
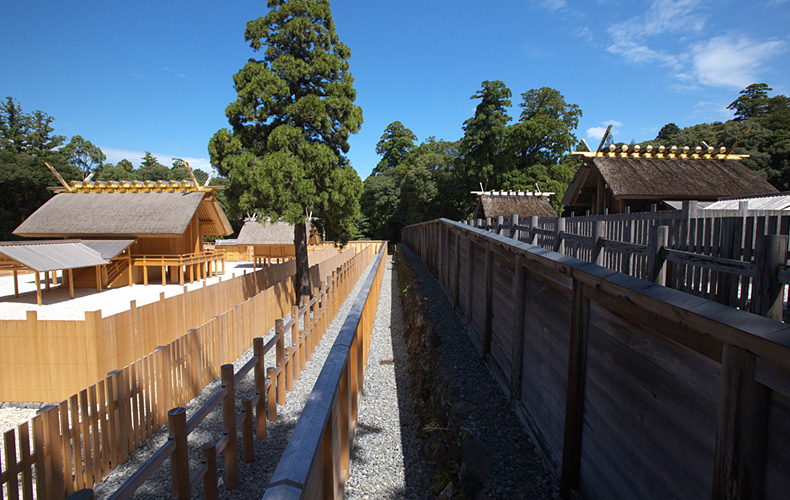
315,462
630,389
734,257
47,360
79,441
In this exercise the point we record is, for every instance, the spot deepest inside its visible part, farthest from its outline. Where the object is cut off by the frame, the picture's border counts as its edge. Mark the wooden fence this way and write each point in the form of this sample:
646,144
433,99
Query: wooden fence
77,443
630,389
47,360
733,257
316,460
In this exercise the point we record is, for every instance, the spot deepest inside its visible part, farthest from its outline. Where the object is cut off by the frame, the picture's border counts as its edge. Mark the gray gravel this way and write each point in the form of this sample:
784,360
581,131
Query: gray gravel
517,471
385,463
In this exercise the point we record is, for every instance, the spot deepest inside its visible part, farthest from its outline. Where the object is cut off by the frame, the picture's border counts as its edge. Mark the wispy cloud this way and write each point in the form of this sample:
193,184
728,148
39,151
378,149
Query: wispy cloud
595,134
114,155
174,72
732,62
550,4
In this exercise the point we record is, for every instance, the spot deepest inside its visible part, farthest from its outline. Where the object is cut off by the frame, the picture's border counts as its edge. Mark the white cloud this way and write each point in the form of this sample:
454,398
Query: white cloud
630,37
595,134
114,155
730,62
551,4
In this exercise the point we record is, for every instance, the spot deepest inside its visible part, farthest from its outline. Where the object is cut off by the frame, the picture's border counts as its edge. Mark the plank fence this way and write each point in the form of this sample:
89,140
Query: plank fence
48,360
630,389
73,445
733,257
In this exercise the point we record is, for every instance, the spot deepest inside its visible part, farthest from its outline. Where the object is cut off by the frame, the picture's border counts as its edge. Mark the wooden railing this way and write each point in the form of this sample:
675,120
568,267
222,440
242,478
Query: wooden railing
198,266
736,258
78,442
316,460
630,389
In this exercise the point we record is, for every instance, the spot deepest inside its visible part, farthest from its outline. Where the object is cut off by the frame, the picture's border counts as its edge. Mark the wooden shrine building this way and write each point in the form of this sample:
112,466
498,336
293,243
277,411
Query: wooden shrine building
615,180
271,241
491,204
166,222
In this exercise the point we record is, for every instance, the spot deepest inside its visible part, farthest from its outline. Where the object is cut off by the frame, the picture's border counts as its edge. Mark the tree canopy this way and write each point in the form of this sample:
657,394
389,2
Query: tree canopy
290,123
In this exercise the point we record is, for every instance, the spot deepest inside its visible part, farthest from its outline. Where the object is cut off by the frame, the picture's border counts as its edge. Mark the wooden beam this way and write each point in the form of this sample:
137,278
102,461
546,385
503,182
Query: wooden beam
16,283
574,402
98,278
71,283
38,288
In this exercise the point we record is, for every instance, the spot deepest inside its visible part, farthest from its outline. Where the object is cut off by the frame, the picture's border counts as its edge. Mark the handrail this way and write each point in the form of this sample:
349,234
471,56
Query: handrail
336,392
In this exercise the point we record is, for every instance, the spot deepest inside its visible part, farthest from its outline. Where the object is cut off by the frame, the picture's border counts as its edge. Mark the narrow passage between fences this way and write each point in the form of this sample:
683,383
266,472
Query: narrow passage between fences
253,477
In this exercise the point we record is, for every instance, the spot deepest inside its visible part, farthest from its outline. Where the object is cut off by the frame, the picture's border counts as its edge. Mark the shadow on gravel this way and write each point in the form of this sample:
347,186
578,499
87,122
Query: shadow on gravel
413,466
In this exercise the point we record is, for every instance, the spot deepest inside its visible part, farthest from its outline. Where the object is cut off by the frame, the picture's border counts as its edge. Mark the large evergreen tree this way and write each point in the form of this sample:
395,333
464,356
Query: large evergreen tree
290,124
394,146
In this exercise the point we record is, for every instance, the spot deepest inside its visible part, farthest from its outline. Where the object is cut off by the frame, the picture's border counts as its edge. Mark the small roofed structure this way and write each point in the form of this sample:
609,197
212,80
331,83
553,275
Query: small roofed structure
271,241
525,204
59,255
773,201
620,180
166,220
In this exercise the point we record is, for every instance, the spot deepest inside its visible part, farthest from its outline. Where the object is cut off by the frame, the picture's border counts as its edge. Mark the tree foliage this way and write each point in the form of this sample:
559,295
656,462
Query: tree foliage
290,123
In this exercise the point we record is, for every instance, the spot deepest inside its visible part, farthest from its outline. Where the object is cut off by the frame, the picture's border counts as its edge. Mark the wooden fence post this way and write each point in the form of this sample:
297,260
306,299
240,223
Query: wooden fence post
489,293
259,376
574,403
280,355
229,425
599,231
470,250
209,455
53,463
457,269
771,252
296,362
533,225
658,238
122,397
559,244
247,451
519,299
514,232
500,220
271,396
179,463
739,456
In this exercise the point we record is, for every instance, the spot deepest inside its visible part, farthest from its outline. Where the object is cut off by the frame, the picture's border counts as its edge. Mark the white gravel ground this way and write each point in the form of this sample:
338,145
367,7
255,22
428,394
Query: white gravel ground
58,305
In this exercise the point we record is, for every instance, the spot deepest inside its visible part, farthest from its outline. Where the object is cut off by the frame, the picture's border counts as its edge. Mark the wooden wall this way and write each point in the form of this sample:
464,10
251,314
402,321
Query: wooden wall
630,389
48,360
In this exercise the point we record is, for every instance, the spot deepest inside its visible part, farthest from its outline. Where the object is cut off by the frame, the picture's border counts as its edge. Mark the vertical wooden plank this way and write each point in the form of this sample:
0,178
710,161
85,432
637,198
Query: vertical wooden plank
469,276
93,416
76,446
38,455
574,402
27,461
11,472
106,429
86,439
65,446
519,298
489,293
739,457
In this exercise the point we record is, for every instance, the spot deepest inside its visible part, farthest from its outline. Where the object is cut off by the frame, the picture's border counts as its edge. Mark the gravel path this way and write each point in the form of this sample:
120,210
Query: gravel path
385,463
517,472
253,477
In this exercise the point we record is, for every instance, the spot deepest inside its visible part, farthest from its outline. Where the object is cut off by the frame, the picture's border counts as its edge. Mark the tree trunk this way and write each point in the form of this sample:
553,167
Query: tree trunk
302,285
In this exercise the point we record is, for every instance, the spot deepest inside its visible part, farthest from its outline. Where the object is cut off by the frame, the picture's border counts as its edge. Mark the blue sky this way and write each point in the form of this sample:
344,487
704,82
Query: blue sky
157,76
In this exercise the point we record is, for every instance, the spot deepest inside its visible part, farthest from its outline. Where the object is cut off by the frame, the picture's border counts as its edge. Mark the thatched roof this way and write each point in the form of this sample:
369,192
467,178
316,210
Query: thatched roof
508,203
266,233
129,214
665,178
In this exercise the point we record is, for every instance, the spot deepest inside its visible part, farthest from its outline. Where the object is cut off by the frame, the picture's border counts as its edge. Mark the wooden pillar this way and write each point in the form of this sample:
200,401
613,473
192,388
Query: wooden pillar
38,288
129,269
46,280
514,232
519,299
574,402
771,252
98,278
533,235
71,283
489,295
741,438
559,244
16,283
598,233
658,239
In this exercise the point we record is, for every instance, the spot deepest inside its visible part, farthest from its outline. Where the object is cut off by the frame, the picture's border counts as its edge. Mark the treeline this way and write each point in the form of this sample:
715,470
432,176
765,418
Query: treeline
28,140
418,182
413,183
